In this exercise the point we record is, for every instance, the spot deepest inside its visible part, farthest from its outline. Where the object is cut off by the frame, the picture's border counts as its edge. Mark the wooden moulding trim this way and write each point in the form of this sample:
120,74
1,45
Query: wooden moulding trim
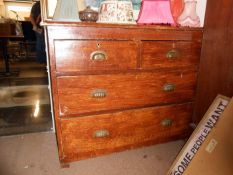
121,34
97,25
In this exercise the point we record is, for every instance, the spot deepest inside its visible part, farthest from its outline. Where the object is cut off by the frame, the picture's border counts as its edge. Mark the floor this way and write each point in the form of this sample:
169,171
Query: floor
36,154
25,108
24,98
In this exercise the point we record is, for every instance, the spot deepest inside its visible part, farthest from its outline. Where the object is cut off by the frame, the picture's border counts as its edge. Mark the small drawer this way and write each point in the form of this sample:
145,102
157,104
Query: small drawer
92,55
91,136
170,54
86,94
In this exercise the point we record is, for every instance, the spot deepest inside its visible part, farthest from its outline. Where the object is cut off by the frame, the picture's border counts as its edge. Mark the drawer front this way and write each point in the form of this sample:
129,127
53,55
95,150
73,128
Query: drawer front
170,54
91,136
94,93
91,55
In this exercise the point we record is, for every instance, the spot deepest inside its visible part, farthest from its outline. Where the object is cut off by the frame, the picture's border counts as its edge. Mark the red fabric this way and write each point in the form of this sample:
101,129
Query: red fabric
155,12
176,8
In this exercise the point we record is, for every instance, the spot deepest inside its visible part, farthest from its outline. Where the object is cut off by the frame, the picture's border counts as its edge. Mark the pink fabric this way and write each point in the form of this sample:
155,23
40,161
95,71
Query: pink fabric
189,16
155,12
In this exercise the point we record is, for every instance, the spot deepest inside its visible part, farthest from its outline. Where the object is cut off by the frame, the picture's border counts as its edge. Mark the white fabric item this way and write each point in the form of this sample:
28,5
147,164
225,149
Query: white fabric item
201,8
189,16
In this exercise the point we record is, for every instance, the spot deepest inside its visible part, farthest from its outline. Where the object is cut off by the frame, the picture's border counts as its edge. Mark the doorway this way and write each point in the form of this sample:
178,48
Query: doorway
24,93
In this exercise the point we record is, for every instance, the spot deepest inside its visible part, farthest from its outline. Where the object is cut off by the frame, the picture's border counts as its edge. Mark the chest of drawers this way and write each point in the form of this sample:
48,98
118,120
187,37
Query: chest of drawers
118,87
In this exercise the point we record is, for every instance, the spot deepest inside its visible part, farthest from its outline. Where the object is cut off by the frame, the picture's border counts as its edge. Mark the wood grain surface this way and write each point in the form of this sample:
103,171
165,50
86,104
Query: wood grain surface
127,130
216,65
123,91
118,55
129,102
155,54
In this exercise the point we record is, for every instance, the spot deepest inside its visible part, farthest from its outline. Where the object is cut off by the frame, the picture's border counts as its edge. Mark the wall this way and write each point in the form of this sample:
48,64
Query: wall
2,8
22,8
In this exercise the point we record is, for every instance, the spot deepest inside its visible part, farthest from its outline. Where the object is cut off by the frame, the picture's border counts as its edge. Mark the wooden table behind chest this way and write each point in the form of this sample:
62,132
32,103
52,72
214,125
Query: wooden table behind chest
118,87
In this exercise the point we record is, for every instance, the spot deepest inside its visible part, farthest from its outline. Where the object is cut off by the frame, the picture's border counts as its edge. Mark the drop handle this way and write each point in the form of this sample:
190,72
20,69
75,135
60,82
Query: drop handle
169,87
99,93
101,133
172,54
98,56
166,122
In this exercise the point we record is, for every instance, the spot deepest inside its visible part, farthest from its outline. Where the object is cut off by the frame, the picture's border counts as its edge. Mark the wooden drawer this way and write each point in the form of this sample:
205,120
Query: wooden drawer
92,55
7,29
171,54
95,93
91,136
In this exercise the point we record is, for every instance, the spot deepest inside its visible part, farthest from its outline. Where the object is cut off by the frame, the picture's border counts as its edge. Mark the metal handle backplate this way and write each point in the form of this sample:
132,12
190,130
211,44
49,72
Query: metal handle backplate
101,133
166,122
172,54
99,93
98,56
169,87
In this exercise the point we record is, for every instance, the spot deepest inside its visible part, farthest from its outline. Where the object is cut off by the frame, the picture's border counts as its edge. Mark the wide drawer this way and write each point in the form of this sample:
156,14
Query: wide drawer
91,136
93,55
95,93
170,54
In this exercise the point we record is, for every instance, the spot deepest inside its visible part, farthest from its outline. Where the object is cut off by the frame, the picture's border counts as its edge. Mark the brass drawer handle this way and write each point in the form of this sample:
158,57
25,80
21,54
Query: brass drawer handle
166,122
101,133
98,56
99,93
172,54
169,87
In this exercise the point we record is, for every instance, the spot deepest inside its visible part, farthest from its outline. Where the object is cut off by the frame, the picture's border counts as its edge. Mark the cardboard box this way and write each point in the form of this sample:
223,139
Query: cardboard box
209,150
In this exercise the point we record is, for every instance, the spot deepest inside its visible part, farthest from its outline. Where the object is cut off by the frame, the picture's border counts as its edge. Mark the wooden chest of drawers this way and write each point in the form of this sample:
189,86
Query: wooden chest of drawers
118,87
